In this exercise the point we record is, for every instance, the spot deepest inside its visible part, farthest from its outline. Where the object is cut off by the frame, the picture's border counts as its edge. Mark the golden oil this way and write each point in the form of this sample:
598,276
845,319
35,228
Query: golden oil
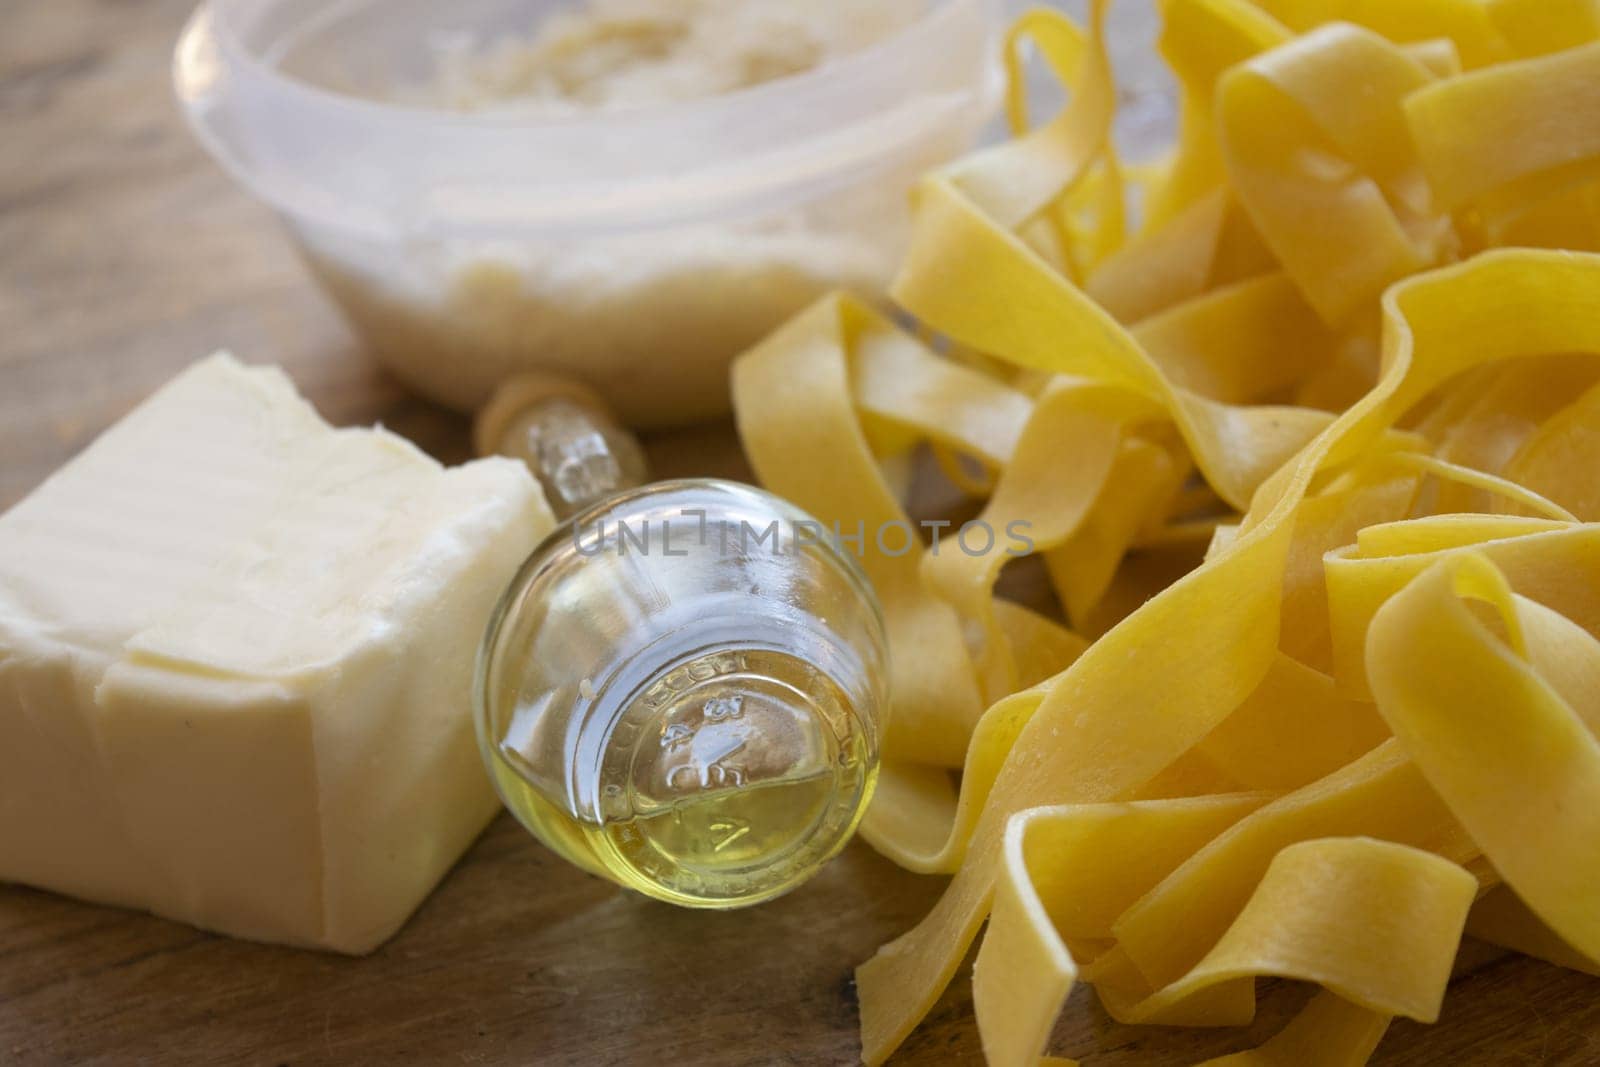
727,781
700,729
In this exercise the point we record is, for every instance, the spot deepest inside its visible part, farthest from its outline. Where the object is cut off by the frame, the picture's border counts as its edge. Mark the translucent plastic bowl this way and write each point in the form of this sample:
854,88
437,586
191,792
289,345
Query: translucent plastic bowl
638,251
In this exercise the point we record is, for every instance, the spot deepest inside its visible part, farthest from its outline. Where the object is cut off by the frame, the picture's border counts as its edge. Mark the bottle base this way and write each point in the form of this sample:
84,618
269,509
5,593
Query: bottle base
730,779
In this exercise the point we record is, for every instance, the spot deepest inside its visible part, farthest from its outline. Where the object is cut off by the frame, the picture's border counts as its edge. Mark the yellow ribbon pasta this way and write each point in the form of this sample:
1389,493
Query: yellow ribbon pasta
1310,457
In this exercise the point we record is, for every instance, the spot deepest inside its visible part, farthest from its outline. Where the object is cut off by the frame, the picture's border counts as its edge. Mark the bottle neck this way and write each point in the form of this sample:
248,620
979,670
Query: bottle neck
566,436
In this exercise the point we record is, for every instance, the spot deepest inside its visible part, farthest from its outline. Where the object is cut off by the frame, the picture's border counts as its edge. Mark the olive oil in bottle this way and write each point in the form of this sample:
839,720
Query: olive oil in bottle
702,728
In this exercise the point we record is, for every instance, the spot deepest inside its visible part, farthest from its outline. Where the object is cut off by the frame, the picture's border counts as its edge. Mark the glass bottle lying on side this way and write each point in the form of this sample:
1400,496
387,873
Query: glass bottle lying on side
683,691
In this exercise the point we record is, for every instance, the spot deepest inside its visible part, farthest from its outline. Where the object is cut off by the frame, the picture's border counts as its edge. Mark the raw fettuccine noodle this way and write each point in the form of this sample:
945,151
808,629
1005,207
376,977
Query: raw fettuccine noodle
1312,460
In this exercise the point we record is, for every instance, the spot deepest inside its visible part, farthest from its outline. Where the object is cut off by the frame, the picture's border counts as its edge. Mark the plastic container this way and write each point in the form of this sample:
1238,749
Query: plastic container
683,691
638,251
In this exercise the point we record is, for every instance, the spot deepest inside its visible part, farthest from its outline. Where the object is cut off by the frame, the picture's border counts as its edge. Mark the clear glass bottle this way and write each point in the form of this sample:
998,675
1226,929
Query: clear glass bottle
683,691
566,435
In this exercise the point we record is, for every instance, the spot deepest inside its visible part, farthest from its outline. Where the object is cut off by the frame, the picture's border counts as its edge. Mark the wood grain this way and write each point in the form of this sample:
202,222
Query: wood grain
124,255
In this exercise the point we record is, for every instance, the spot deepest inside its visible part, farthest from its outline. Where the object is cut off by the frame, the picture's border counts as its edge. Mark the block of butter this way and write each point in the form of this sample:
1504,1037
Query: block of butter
236,652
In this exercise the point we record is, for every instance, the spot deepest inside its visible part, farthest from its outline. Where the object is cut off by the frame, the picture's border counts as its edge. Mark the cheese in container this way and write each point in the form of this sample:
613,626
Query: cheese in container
626,193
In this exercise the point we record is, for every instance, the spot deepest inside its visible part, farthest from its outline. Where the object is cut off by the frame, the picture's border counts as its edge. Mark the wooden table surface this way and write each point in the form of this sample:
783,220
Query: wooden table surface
124,255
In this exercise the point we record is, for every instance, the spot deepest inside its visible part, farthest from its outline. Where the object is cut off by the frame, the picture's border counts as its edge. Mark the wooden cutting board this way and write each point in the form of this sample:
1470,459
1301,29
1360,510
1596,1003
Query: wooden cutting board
124,255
